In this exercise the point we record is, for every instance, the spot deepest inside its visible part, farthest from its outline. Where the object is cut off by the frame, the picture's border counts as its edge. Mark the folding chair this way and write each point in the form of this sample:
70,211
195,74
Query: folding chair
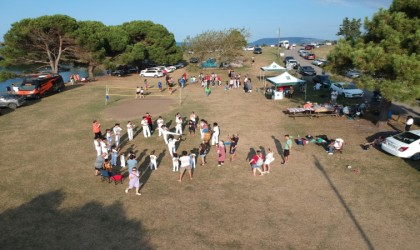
105,175
117,178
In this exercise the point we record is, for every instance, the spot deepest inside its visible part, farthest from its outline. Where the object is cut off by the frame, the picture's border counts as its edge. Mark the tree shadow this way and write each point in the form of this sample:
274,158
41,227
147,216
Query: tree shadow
42,224
344,204
279,147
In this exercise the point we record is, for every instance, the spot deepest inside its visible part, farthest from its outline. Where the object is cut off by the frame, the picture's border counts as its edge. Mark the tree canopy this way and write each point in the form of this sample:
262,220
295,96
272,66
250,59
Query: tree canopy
59,38
350,29
224,45
388,54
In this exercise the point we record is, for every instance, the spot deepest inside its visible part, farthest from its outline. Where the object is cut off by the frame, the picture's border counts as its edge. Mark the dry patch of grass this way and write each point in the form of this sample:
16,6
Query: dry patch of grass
314,202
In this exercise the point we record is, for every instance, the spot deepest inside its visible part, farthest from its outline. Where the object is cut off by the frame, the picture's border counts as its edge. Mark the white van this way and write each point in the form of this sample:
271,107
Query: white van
284,44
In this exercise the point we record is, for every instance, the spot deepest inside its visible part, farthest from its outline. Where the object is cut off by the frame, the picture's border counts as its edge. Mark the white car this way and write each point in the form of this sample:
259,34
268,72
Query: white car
151,73
318,62
348,90
352,73
404,145
250,48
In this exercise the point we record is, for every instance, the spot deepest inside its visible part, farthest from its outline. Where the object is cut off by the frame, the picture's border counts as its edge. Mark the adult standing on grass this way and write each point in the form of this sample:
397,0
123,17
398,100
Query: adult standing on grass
269,158
99,163
134,182
233,145
185,165
96,128
409,123
97,143
202,152
256,163
145,126
117,133
207,90
132,162
149,122
159,123
287,148
221,153
130,129
215,134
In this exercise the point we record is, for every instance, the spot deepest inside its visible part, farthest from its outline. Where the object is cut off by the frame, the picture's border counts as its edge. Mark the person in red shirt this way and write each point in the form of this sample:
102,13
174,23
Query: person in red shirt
96,128
256,162
149,122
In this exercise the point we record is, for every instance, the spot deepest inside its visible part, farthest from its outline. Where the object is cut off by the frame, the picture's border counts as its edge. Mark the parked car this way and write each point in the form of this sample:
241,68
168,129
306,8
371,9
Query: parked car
304,54
179,65
404,145
119,72
293,63
307,71
352,73
37,86
318,62
310,56
11,101
151,73
194,60
310,47
348,90
249,48
323,79
257,50
287,58
209,63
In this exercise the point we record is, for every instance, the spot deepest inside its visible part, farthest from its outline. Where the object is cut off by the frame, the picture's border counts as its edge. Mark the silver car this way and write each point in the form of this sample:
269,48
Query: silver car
11,101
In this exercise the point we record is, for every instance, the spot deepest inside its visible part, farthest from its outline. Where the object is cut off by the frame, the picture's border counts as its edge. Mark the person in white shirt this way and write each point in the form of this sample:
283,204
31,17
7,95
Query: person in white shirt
175,163
15,88
317,86
145,126
97,143
160,122
172,146
166,132
104,148
130,128
178,126
215,135
269,158
117,133
153,163
334,95
185,165
122,161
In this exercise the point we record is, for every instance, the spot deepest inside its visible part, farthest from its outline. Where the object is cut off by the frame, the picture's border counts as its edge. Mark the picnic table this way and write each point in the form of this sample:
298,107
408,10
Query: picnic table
315,111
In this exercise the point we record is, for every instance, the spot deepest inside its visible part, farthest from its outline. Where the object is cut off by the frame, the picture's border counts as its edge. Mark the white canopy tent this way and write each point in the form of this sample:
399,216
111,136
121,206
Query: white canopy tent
270,68
285,79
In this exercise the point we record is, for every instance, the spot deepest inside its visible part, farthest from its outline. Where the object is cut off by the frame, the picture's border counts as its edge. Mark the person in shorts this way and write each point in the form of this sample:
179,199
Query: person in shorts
256,162
202,152
191,127
287,147
185,165
233,145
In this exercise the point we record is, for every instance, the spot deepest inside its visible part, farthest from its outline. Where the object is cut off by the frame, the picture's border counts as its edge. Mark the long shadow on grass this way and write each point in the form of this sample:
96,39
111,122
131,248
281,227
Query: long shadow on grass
344,204
251,153
42,224
279,147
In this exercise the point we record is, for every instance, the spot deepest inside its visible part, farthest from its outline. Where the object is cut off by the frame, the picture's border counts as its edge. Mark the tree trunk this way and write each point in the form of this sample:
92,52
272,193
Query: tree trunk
91,68
383,113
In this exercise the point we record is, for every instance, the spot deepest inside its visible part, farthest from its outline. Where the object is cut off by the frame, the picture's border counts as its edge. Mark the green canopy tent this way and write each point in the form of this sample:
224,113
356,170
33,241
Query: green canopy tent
286,79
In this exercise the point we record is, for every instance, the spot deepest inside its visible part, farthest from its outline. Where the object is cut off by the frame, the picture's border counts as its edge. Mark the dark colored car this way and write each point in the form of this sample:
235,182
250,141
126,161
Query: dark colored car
257,50
307,71
194,60
323,79
41,85
119,72
309,47
11,101
180,65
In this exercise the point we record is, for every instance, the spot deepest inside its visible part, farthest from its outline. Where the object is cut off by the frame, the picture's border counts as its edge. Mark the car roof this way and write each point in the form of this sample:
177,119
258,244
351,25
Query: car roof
416,132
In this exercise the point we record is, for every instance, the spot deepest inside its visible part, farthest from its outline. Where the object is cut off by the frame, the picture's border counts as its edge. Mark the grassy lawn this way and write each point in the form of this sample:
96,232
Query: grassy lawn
51,199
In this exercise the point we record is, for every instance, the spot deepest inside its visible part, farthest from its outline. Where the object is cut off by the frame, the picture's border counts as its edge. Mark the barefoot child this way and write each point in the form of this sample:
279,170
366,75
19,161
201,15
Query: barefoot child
134,181
175,163
153,163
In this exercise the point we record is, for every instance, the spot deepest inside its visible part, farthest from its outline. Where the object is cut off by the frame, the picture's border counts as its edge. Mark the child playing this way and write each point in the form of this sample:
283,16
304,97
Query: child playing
122,161
192,159
114,155
107,166
141,92
109,138
153,163
160,86
175,163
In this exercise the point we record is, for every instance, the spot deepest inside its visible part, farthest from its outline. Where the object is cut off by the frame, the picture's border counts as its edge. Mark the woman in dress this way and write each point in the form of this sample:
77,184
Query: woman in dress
221,153
134,178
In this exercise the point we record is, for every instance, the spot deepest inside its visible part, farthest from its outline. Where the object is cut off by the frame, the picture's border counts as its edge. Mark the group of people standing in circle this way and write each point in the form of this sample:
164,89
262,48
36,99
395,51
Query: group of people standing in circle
108,148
